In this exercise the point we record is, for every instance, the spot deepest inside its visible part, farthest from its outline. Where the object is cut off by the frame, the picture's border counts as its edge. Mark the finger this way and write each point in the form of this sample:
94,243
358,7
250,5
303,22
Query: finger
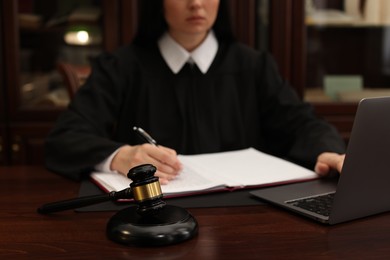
321,169
333,160
168,171
168,150
167,157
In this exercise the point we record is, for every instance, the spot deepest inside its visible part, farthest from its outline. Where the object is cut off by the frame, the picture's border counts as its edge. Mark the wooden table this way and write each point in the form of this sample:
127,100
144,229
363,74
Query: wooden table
224,233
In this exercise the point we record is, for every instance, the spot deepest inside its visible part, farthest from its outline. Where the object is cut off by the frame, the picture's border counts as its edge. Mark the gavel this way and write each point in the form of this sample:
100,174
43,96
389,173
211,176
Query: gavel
145,190
151,223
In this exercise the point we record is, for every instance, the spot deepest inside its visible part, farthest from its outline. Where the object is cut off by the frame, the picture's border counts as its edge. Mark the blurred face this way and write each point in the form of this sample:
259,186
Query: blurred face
190,17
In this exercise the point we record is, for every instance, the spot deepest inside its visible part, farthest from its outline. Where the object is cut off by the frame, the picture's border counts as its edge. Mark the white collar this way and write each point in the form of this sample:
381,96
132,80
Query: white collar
176,56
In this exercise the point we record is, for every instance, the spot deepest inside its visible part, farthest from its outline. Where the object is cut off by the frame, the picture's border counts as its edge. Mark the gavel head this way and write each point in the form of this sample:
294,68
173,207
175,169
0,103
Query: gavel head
146,189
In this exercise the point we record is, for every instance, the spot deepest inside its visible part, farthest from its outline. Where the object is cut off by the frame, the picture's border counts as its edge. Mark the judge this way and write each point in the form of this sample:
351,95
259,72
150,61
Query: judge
195,89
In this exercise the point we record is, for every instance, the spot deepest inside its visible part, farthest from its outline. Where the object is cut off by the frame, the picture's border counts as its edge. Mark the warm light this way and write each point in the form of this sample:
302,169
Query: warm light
82,37
77,37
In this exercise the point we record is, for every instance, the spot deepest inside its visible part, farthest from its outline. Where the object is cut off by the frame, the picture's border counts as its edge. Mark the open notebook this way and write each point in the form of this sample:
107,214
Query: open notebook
211,172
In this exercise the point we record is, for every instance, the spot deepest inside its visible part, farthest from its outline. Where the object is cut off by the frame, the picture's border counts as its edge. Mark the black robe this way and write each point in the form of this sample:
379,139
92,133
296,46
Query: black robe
240,102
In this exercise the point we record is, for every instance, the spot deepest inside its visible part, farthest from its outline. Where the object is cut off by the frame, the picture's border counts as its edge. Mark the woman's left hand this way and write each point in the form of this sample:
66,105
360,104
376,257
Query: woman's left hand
327,162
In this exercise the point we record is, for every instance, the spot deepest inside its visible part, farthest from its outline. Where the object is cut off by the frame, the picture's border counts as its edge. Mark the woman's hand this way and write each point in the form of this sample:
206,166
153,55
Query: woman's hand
163,158
327,162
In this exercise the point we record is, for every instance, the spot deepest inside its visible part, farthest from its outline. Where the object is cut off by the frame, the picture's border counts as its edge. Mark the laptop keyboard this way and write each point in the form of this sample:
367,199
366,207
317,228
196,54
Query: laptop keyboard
320,204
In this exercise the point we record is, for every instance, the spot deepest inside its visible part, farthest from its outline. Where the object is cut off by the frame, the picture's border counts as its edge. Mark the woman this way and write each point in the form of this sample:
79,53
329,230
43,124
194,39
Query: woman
187,82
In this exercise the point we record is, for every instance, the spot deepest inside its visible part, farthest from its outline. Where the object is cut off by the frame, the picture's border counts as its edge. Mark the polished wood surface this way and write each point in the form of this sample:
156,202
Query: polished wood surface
224,233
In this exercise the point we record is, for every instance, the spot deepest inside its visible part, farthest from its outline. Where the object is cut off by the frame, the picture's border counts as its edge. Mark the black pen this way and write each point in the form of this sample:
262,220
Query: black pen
145,135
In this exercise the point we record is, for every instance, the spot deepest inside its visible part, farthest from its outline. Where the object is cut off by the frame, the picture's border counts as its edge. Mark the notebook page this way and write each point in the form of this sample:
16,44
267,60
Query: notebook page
247,167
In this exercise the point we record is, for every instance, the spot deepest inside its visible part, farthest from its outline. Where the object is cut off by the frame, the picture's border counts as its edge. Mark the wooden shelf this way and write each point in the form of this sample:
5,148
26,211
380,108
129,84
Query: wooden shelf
317,95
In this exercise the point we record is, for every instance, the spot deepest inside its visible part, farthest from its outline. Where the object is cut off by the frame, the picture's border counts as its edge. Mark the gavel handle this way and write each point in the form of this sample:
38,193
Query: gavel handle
84,201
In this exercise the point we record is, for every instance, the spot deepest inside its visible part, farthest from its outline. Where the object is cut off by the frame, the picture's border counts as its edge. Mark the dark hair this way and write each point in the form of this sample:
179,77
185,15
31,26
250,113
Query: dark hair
152,24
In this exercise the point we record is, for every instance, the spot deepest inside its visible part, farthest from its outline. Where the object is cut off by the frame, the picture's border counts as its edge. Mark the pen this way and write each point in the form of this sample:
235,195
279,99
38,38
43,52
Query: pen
145,135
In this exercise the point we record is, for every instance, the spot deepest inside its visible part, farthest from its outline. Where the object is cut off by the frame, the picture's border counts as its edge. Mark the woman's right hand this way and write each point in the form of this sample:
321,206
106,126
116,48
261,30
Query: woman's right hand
163,158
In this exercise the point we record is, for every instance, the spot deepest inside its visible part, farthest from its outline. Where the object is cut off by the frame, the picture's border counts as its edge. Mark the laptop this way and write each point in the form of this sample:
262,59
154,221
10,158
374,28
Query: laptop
363,187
